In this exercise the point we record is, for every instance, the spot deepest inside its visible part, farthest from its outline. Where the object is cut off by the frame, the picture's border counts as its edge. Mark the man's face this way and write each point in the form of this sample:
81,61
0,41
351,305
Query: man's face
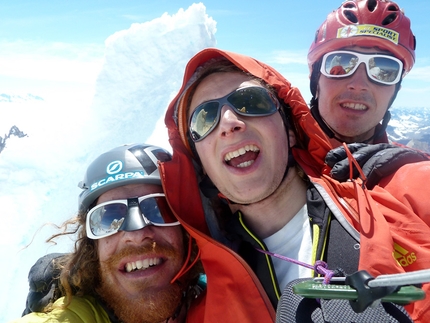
245,157
353,106
156,255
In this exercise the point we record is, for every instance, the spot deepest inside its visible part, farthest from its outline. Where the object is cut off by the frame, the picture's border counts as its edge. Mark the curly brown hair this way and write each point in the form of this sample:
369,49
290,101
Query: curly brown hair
79,270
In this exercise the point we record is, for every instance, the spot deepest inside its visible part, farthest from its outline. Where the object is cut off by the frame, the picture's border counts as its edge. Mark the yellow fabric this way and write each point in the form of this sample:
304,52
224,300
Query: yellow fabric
80,310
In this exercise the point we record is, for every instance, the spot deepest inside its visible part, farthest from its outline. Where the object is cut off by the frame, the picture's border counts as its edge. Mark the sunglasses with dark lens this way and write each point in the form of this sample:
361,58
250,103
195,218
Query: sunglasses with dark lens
253,101
381,69
131,214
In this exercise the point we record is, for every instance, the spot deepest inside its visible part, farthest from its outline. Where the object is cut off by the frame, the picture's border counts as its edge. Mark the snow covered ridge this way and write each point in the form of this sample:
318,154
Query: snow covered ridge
411,127
19,98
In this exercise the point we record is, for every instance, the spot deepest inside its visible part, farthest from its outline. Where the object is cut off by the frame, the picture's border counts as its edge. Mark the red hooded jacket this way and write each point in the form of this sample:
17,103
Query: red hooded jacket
392,219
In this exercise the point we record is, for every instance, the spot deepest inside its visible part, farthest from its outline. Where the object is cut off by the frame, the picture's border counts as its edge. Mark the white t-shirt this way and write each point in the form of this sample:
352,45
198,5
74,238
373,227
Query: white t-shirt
293,241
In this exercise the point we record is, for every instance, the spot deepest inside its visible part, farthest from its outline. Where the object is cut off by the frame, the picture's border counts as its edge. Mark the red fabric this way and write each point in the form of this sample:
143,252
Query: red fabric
392,214
337,70
234,293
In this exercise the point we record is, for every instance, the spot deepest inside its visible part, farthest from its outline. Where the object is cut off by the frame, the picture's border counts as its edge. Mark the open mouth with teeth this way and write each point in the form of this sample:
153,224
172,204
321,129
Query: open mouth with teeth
142,264
354,106
243,157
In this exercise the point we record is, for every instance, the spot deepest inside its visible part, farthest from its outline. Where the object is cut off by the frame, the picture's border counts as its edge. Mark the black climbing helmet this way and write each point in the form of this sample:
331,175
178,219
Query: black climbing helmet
124,165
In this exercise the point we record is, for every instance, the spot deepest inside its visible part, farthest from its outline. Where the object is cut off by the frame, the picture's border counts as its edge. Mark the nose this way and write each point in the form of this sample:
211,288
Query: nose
359,81
230,122
138,236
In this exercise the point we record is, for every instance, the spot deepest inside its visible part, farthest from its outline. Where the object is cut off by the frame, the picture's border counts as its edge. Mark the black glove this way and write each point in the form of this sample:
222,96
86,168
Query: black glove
43,281
377,161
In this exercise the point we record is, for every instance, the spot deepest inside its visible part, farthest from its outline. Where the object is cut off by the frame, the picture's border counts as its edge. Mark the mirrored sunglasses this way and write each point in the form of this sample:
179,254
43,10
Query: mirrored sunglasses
253,101
381,69
131,214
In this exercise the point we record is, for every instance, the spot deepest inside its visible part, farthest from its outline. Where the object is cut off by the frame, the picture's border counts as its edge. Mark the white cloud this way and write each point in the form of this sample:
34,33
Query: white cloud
50,61
420,74
290,57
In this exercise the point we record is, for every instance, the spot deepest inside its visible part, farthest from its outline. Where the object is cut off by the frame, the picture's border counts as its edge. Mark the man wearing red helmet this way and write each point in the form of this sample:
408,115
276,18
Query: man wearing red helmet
357,61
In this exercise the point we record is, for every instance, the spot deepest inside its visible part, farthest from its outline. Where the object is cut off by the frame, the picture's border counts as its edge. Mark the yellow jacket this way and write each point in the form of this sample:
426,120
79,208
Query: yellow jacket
80,310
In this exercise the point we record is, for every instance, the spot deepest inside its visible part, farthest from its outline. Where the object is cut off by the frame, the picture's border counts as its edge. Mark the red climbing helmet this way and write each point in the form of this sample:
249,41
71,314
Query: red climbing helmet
366,23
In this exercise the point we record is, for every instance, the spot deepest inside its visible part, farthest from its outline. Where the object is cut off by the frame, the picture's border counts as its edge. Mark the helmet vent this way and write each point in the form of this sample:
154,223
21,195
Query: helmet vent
389,19
371,5
350,16
393,8
349,5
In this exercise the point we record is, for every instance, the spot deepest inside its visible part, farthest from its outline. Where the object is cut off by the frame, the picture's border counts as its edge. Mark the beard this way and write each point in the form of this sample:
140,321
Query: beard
149,306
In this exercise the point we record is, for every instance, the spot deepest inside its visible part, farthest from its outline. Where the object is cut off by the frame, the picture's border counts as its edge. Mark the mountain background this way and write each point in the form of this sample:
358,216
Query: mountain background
411,127
141,71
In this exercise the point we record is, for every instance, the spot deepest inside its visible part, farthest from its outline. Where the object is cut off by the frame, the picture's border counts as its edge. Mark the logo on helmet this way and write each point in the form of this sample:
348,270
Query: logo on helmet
117,177
368,30
114,167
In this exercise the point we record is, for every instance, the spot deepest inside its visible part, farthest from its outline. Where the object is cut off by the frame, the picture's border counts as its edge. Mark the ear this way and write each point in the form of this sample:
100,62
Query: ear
292,138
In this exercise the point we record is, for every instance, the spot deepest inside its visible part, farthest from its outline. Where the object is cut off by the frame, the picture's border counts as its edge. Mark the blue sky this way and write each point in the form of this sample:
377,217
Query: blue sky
66,39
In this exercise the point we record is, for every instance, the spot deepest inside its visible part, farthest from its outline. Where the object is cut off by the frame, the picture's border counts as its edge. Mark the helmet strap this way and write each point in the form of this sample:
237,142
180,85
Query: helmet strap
315,75
317,116
381,130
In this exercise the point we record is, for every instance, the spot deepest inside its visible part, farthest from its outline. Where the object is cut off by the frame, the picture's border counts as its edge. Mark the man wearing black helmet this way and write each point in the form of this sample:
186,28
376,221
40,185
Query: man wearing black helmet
132,262
357,61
